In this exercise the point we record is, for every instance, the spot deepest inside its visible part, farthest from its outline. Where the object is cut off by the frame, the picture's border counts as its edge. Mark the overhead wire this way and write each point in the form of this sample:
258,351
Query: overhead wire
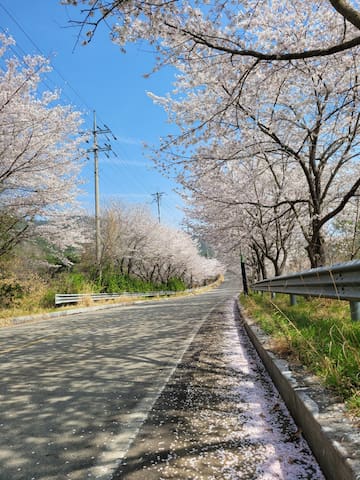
18,48
123,167
116,165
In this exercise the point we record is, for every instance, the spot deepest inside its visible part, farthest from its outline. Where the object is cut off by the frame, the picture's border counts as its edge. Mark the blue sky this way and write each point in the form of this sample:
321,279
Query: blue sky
99,77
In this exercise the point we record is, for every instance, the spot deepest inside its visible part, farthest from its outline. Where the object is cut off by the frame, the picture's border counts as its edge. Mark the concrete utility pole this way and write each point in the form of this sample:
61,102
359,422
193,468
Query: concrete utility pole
96,149
97,195
157,198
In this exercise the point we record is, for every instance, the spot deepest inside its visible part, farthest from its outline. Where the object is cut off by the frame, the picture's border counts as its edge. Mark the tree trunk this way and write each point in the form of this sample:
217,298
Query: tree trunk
260,260
316,247
277,269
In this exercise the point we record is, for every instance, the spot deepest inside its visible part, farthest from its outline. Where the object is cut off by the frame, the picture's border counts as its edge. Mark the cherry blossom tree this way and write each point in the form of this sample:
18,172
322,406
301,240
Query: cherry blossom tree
343,238
305,121
40,155
197,22
124,231
135,244
307,114
266,78
227,201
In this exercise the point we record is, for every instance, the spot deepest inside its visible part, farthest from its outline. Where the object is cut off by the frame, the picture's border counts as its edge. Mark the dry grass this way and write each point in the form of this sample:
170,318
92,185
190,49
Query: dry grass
86,302
26,301
281,346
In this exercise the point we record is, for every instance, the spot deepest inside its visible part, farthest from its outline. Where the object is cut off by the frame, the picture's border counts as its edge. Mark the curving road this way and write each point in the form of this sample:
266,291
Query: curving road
74,391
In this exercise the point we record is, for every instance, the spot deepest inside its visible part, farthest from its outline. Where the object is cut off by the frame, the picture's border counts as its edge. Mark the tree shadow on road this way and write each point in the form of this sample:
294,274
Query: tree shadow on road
211,422
68,395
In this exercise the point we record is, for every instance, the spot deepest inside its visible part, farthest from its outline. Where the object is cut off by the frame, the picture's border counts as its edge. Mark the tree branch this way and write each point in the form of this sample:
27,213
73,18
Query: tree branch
317,52
347,11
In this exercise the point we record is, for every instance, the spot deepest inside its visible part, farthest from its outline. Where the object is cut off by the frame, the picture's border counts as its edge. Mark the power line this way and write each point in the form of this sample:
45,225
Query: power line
40,51
117,167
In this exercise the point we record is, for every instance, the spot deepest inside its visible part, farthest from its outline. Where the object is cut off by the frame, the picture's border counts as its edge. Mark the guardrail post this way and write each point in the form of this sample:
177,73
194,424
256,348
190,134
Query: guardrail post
293,300
355,311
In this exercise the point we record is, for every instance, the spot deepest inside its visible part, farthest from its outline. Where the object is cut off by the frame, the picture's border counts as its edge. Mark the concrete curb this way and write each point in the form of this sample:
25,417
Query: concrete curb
335,442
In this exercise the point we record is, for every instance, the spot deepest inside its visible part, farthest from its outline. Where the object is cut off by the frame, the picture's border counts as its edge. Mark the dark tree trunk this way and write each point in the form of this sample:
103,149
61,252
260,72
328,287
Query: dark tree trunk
260,260
316,247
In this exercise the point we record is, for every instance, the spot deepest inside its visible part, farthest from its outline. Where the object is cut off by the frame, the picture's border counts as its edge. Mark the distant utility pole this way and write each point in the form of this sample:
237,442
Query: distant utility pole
157,198
96,149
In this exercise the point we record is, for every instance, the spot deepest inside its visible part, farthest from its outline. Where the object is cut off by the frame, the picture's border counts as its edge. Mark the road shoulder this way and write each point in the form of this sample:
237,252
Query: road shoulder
218,417
332,436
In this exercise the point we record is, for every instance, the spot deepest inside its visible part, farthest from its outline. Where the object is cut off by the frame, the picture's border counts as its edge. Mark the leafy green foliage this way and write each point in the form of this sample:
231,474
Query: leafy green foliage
176,285
47,300
113,282
75,282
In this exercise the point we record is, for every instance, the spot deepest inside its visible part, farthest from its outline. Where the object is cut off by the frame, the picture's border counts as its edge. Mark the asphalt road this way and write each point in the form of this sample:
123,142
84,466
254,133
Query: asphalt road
74,391
220,416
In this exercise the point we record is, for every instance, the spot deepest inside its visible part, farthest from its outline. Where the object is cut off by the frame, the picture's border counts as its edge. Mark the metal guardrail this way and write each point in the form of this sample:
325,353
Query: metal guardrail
66,298
340,281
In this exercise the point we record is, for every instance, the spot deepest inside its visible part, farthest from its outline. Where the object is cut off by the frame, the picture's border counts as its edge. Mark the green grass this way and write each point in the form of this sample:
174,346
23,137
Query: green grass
319,333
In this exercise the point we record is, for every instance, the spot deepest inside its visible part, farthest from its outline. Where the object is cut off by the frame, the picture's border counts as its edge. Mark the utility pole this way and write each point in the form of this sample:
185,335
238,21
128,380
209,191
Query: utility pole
97,194
157,198
96,149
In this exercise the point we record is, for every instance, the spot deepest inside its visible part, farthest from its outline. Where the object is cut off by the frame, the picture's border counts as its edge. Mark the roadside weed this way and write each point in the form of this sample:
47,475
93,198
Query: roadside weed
316,332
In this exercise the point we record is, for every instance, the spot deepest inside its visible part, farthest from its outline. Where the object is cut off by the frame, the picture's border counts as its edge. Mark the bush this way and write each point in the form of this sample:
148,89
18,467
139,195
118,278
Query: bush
10,292
48,299
176,285
113,282
75,283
